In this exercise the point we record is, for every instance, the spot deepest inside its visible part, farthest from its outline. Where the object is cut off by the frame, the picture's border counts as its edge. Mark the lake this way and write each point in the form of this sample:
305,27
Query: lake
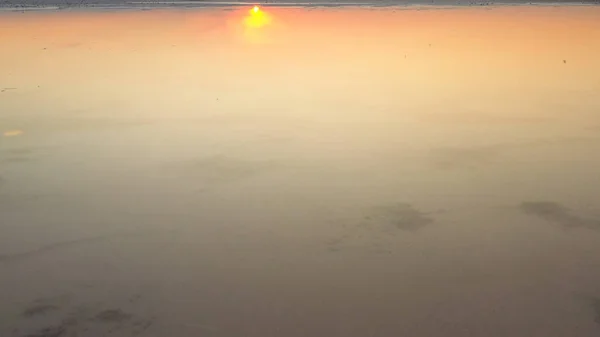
300,171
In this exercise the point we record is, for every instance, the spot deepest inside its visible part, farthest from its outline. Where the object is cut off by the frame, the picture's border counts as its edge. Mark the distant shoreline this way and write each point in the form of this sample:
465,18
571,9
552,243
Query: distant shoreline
35,5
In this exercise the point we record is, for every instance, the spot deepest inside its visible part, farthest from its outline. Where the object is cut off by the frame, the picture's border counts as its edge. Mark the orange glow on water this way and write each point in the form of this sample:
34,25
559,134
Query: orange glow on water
12,133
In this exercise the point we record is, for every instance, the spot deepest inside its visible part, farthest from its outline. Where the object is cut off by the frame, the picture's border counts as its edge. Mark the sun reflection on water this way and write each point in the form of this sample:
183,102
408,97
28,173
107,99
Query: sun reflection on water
257,18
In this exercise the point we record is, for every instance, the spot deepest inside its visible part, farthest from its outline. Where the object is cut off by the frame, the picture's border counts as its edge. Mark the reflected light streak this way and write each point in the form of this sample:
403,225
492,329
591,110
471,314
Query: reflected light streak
12,133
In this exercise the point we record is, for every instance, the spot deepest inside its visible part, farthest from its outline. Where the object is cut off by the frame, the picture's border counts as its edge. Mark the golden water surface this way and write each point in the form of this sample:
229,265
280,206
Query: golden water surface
300,172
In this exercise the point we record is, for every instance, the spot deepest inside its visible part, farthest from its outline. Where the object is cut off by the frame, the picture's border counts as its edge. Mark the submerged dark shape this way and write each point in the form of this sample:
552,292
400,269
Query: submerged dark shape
112,316
403,216
38,309
558,214
56,331
61,329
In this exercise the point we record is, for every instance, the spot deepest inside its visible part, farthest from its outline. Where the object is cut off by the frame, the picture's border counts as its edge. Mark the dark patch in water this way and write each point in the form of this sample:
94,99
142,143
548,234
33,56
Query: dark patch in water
558,214
55,331
112,316
38,309
375,233
140,326
402,216
58,330
218,170
83,322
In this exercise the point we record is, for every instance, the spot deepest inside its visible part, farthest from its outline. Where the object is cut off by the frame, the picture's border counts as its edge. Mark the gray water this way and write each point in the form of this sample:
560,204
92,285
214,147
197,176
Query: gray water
300,172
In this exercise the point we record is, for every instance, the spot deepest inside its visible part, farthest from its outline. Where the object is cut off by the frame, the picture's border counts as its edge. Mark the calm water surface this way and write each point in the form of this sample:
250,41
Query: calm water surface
300,172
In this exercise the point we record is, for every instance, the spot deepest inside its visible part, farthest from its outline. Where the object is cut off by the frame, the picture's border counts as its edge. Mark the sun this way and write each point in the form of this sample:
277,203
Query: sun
255,9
